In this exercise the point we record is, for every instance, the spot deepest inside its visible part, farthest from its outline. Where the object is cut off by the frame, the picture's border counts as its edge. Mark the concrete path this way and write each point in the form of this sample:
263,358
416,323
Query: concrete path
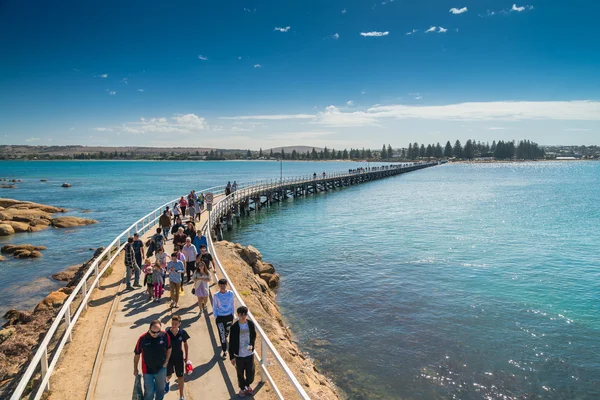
213,378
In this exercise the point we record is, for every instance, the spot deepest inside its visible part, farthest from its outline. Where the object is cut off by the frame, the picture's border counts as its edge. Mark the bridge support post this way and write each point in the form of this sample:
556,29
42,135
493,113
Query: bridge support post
263,361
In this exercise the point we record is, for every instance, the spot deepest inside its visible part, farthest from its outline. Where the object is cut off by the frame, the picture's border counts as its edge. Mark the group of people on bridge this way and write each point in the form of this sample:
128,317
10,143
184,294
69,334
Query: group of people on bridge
164,352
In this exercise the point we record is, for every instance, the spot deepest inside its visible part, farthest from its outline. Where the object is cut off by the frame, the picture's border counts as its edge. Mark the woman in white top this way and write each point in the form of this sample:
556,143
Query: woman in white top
161,258
197,209
176,210
201,278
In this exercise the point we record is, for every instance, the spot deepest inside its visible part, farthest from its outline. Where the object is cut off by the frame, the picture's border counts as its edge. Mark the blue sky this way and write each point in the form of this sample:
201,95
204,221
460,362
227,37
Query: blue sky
257,73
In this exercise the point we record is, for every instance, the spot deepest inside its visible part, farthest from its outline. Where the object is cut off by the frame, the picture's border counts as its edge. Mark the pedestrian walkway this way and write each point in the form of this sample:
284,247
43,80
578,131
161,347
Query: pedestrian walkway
212,378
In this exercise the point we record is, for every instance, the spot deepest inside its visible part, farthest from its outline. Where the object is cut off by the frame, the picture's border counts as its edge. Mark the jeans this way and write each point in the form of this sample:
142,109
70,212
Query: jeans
155,384
190,268
166,230
136,276
223,326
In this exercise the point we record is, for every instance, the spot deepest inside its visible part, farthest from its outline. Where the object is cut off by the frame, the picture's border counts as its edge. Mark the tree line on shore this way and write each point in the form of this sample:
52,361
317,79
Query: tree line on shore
501,150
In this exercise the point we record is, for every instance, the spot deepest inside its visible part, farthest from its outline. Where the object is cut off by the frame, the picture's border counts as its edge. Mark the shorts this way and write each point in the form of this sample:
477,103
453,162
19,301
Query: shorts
176,365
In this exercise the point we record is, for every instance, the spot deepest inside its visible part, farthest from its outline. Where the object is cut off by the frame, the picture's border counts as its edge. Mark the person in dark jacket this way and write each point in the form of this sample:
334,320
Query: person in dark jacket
176,226
241,350
165,223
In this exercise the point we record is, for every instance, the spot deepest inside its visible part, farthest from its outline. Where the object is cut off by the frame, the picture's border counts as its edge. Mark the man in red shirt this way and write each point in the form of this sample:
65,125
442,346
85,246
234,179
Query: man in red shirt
154,347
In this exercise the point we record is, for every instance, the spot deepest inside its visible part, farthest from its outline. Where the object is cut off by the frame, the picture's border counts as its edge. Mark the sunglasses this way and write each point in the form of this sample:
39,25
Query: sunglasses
153,332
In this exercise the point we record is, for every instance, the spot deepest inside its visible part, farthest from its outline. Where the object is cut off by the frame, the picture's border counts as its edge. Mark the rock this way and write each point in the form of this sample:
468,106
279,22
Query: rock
35,254
18,227
6,333
70,222
98,251
66,185
13,248
9,186
17,317
254,250
2,258
250,255
67,274
86,211
271,279
22,253
264,286
263,268
54,300
28,205
43,180
6,230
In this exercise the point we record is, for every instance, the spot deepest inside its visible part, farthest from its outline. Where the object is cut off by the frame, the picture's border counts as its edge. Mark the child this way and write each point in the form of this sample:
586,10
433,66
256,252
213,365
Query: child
148,277
157,281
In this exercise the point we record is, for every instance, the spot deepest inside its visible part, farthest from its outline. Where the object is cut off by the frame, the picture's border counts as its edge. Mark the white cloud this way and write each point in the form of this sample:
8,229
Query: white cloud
287,28
239,57
442,30
455,10
252,11
517,9
272,117
102,76
32,139
180,123
432,29
349,103
344,11
125,81
418,97
374,34
201,57
111,92
140,90
336,36
257,66
103,129
332,116
412,32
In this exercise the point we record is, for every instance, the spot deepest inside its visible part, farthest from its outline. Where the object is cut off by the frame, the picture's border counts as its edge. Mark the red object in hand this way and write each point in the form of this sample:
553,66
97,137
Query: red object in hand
189,367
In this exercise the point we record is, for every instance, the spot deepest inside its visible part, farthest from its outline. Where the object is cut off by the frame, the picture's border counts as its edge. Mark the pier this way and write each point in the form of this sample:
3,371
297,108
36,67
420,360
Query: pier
213,378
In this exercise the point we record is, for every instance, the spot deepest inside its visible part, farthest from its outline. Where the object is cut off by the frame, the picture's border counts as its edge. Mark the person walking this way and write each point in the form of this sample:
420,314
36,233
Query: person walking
176,225
176,211
201,280
207,258
179,237
197,210
183,205
190,230
190,253
175,268
241,351
165,223
191,208
157,242
154,349
223,306
179,354
228,189
138,248
158,281
131,265
201,200
234,187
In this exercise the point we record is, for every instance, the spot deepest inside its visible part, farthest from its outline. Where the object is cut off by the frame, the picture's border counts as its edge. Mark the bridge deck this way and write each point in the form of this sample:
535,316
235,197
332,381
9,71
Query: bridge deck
213,378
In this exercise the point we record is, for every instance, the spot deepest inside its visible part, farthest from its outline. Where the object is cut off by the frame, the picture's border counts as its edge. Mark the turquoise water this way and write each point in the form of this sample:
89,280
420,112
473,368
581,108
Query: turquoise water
454,282
116,194
459,281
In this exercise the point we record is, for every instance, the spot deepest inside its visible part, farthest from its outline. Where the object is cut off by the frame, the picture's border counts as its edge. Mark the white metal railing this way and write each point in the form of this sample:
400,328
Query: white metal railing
41,357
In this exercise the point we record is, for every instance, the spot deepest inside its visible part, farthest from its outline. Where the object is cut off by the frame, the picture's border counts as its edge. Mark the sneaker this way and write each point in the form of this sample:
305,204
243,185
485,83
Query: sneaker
182,398
242,393
129,288
224,355
137,285
249,391
167,386
176,305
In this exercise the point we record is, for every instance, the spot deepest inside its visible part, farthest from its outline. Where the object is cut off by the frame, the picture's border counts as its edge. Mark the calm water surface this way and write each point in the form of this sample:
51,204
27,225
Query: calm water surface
454,282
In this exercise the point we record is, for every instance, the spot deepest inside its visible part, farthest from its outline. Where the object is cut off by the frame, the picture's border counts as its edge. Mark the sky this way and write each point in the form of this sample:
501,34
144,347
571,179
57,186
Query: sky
259,73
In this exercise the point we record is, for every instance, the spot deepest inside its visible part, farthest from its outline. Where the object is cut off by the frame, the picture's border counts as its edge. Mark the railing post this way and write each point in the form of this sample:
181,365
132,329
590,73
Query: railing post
263,359
97,272
84,294
45,368
68,322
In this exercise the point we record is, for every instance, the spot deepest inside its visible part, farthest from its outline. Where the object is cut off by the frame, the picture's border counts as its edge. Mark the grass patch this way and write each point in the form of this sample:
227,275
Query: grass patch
107,273
245,292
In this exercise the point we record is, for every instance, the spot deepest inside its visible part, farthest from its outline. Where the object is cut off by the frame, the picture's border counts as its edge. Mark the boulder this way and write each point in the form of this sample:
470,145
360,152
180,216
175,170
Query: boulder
2,258
43,180
67,274
254,250
28,205
22,253
12,248
54,300
260,267
70,222
250,255
271,279
98,251
17,317
18,227
9,186
66,185
35,254
6,230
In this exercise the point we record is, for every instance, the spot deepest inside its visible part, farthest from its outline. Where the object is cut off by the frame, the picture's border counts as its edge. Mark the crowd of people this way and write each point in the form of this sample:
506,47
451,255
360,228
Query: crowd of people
164,352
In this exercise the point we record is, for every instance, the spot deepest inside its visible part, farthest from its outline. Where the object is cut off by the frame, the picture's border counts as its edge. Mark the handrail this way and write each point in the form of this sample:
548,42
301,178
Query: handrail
41,355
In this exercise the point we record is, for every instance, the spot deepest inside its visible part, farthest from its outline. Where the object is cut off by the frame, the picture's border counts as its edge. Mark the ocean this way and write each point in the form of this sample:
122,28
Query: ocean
462,281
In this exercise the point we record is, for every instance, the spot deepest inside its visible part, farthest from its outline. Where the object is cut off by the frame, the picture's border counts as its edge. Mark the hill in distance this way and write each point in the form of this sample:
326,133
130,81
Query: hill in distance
289,149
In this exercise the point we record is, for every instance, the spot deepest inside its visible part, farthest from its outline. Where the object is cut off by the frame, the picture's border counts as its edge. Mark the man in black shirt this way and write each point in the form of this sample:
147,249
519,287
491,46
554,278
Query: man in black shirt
179,354
154,347
138,249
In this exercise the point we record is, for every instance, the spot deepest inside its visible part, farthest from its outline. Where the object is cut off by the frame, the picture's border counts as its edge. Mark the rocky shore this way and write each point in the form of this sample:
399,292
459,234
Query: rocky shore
18,216
256,280
23,331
